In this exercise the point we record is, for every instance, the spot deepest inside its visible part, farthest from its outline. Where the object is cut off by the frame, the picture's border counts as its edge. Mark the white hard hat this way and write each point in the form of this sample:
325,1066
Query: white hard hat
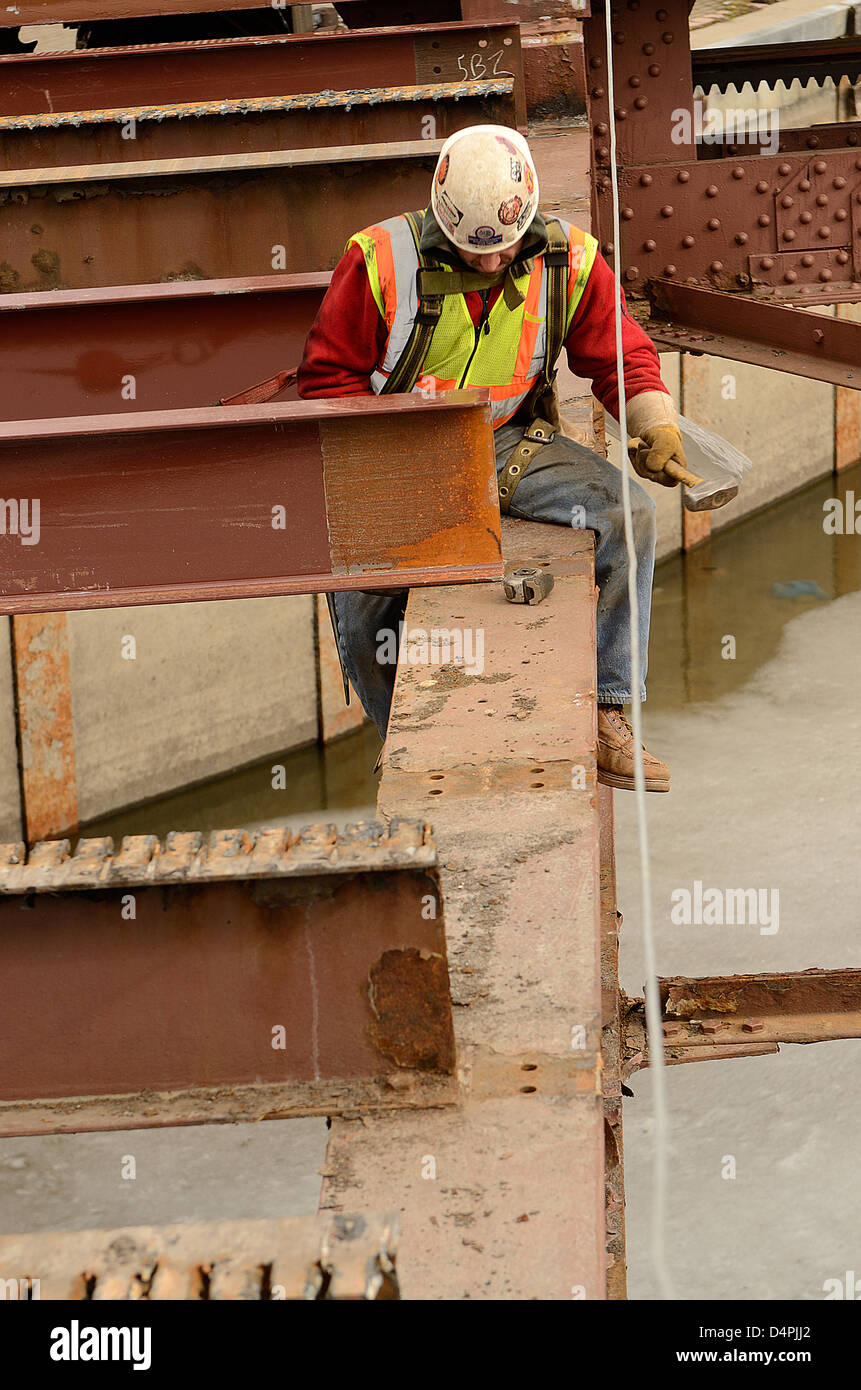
485,189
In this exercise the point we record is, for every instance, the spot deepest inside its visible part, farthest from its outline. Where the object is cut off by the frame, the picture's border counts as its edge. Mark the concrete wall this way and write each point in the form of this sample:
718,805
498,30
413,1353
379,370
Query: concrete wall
212,687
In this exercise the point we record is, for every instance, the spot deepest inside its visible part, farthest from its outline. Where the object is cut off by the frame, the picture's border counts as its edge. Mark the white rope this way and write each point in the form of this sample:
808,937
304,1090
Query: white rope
653,1003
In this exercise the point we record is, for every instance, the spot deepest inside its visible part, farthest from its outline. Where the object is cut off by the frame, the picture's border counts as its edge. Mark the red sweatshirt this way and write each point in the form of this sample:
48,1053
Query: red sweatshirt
348,338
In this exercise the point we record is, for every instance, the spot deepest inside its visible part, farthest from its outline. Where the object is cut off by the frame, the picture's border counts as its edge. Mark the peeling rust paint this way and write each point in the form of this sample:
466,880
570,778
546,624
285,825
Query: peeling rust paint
409,994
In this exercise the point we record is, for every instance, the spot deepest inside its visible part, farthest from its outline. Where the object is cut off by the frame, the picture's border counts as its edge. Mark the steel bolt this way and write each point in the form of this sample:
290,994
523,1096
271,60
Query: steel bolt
671,1030
713,1025
753,1025
818,335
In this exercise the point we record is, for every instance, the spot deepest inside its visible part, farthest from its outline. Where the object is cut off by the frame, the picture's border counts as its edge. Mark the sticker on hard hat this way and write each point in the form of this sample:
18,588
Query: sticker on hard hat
525,217
509,211
516,170
442,170
448,210
530,182
484,236
509,145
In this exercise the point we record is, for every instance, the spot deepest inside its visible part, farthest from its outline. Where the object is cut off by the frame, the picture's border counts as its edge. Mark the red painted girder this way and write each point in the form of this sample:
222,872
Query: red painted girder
186,505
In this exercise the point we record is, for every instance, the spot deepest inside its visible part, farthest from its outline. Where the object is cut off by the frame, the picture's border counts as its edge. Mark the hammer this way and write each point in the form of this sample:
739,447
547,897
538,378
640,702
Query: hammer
703,494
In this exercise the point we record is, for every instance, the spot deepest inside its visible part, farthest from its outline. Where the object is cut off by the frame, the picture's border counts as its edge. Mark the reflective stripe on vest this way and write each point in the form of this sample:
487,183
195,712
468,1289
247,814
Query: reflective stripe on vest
508,359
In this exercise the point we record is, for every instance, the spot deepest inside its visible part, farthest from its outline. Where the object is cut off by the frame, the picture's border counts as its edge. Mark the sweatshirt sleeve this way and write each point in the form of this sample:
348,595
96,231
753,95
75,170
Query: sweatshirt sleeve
348,336
591,343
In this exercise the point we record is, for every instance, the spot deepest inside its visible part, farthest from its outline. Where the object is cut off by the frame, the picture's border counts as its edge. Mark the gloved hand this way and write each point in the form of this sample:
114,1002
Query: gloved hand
659,456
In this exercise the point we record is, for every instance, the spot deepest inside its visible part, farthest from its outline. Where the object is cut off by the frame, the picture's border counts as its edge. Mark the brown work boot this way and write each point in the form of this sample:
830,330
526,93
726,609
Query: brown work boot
616,754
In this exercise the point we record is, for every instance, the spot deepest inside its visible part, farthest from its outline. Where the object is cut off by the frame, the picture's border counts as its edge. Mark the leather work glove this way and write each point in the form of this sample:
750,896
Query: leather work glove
659,457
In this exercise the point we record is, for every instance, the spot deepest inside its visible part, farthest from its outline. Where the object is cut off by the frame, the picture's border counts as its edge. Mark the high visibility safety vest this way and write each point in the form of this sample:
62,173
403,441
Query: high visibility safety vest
508,357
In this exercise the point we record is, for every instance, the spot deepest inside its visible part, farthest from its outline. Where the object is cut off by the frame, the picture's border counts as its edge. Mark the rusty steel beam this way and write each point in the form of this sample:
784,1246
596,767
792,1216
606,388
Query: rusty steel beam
306,1258
325,973
752,330
248,501
43,700
150,347
201,219
733,66
237,69
371,116
719,1017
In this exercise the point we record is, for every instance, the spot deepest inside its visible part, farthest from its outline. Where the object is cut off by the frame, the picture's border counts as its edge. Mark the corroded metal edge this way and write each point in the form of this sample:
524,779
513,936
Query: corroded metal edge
305,1258
189,857
249,106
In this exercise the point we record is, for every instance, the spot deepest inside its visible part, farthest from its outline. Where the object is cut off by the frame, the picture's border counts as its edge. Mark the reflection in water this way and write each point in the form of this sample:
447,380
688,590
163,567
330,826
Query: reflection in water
747,582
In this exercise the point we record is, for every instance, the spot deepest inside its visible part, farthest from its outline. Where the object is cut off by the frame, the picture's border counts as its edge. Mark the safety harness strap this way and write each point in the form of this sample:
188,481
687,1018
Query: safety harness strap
407,369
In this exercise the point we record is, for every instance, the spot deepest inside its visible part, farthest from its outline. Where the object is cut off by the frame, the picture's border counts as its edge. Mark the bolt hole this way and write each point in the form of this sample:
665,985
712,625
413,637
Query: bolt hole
437,791
482,43
437,70
481,702
537,769
535,785
529,1090
437,776
529,1066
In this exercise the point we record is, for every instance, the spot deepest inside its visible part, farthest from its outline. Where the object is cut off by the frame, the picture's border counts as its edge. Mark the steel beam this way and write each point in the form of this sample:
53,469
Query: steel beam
818,59
178,506
751,330
150,347
138,134
325,972
244,69
43,703
305,1259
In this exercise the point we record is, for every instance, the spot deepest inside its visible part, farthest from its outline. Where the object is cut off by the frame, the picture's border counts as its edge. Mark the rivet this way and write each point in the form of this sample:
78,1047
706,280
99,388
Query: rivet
645,180
619,36
650,245
621,113
713,224
609,248
634,81
716,266
741,238
601,128
852,138
633,4
804,185
840,215
603,152
842,257
767,263
839,183
764,220
660,15
789,236
627,213
738,172
753,1025
824,233
784,169
641,103
822,200
813,142
669,270
683,176
712,190
648,49
594,62
667,38
818,335
598,92
654,70
688,242
631,273
790,277
820,166
667,210
786,201
762,186
807,260
806,217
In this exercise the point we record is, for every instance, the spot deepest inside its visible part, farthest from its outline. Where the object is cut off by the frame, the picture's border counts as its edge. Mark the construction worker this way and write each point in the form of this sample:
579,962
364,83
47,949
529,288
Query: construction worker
502,288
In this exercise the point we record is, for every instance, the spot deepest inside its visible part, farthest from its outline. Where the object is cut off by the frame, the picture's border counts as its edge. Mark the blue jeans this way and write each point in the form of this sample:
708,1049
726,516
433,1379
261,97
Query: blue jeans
567,484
